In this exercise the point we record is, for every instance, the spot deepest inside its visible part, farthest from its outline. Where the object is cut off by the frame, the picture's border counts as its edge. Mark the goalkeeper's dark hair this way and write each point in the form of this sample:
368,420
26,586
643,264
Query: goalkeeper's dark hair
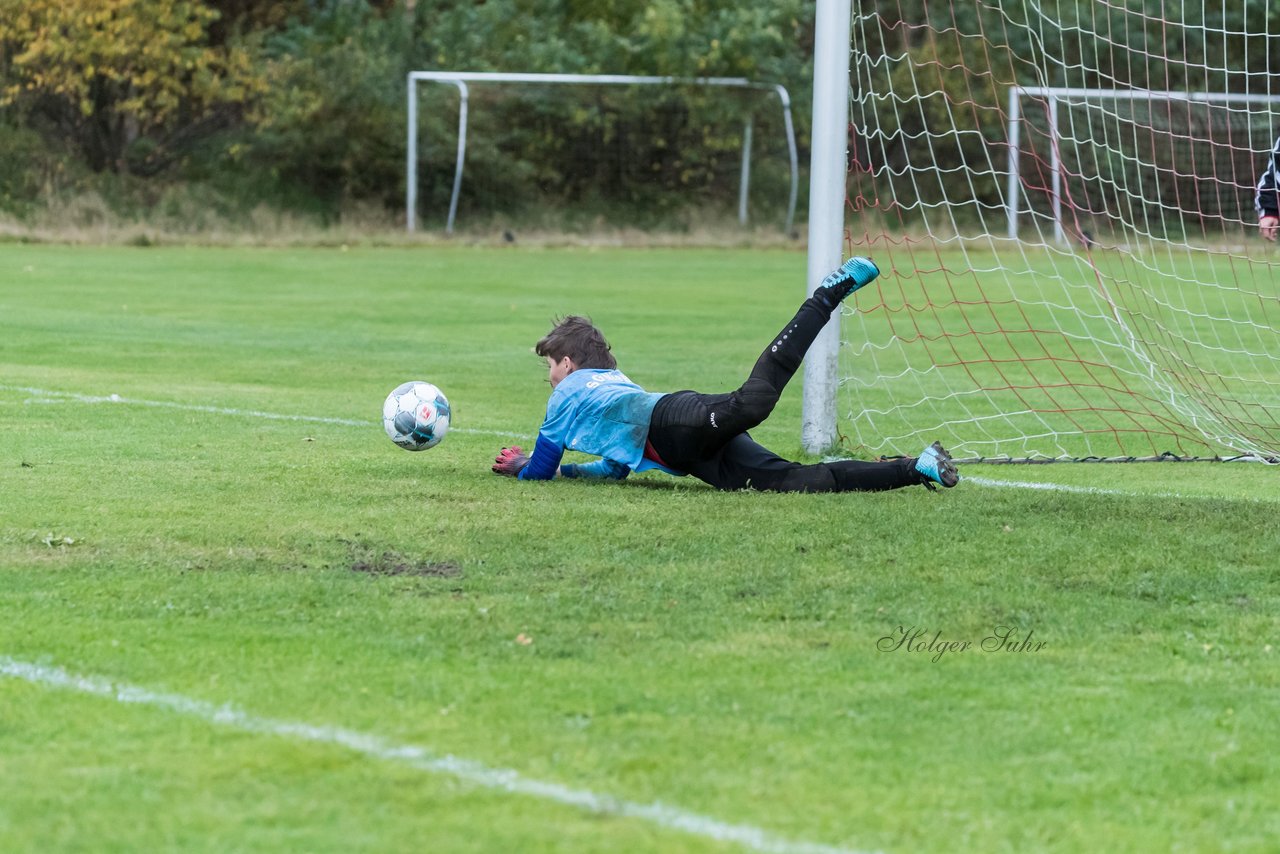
576,337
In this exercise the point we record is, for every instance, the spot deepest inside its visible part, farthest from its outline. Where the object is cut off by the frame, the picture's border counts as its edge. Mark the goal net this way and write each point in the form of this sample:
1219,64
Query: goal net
1061,199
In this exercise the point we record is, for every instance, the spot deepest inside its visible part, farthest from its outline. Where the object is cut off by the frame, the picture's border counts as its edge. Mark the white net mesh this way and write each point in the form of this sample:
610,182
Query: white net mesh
1130,308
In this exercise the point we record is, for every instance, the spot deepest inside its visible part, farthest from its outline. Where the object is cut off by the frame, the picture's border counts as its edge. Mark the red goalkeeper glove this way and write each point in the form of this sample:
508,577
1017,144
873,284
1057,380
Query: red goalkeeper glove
510,461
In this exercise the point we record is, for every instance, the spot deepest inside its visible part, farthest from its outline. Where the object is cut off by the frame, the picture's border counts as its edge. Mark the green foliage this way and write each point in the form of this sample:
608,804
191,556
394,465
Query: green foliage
126,79
330,125
300,104
28,169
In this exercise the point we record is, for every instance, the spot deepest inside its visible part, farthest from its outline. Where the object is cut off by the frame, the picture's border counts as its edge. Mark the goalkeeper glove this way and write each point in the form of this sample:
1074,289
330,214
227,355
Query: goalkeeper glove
510,461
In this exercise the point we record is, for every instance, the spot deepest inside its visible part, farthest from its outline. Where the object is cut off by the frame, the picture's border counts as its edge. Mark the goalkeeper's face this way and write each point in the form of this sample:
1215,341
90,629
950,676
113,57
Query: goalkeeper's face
557,371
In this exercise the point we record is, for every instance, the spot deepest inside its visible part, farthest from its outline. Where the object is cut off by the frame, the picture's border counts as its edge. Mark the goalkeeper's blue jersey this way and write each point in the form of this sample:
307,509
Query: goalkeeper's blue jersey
598,412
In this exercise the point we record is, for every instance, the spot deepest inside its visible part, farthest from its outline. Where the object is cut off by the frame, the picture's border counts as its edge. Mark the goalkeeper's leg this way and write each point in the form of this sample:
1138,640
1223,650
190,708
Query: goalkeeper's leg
710,420
744,464
751,404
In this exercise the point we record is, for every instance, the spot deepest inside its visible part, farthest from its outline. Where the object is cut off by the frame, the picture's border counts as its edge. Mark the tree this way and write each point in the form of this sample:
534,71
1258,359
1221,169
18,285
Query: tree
129,80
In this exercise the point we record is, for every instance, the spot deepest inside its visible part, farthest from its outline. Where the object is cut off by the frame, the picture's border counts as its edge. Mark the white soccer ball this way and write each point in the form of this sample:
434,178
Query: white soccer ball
416,416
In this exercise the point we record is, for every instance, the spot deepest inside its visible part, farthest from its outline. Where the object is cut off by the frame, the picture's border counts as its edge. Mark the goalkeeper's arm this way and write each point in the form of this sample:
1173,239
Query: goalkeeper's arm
601,469
544,464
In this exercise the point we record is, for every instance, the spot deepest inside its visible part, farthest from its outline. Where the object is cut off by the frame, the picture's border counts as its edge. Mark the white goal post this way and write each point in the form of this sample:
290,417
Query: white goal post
1053,97
460,79
827,178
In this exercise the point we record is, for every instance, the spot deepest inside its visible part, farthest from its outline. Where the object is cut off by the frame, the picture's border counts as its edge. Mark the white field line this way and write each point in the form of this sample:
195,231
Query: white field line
46,396
1092,490
1064,487
375,747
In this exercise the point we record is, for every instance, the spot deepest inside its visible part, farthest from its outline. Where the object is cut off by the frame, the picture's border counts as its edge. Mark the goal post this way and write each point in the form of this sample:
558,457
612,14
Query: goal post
1064,220
461,79
827,171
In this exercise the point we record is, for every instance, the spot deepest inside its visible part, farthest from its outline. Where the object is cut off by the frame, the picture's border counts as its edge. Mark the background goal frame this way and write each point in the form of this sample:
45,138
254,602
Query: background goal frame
1054,95
461,79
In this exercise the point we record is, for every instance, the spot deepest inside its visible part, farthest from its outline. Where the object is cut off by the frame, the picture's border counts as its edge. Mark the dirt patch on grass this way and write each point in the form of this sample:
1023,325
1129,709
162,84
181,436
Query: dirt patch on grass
390,563
368,559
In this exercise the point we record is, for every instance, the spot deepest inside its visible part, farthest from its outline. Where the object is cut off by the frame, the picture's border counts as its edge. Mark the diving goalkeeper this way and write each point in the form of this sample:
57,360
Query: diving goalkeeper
594,408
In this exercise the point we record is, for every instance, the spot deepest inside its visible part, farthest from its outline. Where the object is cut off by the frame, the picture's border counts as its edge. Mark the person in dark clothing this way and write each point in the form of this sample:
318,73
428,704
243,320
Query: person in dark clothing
1267,199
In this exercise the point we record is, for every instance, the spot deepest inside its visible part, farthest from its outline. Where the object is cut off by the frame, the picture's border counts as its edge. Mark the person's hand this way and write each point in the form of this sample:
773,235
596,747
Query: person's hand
510,461
1268,226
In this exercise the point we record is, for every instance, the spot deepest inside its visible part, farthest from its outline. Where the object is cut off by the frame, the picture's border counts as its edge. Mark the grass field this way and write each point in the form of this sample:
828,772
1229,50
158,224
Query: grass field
234,617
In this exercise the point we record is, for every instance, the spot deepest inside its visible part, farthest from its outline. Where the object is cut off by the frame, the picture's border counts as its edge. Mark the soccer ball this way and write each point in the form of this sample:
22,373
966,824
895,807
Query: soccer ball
416,416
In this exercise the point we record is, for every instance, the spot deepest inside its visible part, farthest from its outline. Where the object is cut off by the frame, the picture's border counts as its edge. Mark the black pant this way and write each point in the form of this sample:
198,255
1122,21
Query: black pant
705,434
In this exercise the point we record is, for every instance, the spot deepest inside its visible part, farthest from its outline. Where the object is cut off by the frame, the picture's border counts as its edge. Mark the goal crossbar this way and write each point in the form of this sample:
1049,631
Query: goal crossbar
460,79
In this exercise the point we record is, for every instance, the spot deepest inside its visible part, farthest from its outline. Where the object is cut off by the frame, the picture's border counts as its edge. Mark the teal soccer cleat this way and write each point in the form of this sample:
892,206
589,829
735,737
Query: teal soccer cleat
851,275
935,466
